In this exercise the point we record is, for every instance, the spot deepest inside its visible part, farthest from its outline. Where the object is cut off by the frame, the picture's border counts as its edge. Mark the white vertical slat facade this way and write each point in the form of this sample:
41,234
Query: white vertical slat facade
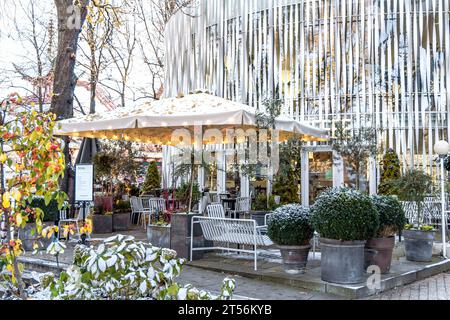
383,63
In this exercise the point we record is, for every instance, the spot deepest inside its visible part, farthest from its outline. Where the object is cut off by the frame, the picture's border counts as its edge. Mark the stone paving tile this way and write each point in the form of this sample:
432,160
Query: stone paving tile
433,288
251,288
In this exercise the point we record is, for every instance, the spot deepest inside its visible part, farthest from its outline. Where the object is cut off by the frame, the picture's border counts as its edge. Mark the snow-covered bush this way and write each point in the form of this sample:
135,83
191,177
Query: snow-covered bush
344,214
290,225
122,268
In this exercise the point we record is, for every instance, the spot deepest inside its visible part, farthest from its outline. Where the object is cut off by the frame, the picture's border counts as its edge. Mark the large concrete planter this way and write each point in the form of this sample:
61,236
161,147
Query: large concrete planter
121,221
102,223
419,245
378,252
180,236
159,236
294,258
342,261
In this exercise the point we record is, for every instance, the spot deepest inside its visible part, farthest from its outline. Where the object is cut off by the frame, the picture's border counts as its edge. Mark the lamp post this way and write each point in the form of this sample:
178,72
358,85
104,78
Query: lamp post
442,148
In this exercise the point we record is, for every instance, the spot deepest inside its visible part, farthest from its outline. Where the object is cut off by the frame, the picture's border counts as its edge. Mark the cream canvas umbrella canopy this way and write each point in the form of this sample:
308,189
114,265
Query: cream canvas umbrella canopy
155,122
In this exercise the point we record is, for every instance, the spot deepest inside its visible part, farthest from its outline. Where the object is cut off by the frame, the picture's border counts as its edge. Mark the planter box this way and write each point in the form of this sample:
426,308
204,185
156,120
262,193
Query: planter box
121,221
102,223
159,236
180,236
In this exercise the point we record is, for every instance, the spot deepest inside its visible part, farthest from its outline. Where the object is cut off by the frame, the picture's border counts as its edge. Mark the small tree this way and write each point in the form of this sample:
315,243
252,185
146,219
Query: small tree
415,186
390,173
355,145
152,181
35,163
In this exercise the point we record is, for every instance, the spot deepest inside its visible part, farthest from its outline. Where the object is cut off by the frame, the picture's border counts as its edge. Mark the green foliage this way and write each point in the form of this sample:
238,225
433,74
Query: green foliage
121,268
392,215
344,214
183,192
286,187
152,183
51,211
390,173
415,186
261,204
447,163
122,205
355,146
290,226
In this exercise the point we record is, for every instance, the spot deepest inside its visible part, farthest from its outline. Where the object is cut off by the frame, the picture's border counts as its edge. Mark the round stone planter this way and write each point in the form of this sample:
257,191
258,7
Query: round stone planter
342,261
294,258
102,223
378,251
419,245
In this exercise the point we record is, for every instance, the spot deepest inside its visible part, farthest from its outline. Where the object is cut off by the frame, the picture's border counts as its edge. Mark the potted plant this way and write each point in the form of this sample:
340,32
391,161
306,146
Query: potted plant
102,220
379,249
289,227
158,231
345,219
414,186
180,235
121,216
261,207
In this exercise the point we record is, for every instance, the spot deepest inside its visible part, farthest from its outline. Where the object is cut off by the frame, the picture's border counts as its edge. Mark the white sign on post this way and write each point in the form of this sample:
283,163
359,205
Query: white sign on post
84,182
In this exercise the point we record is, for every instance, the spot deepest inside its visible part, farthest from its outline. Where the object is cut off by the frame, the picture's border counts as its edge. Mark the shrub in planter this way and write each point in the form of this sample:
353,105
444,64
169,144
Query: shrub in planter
414,186
392,220
345,219
289,227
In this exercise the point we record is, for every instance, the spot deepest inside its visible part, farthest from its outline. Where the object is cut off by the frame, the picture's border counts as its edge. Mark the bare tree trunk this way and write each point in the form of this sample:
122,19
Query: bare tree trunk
69,28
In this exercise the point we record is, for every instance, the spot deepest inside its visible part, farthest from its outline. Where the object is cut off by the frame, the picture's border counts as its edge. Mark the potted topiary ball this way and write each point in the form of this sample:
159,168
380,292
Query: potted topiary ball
345,219
289,227
379,249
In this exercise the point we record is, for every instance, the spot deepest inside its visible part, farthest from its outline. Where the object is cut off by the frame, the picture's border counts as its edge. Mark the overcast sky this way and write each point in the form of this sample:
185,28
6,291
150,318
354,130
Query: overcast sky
15,49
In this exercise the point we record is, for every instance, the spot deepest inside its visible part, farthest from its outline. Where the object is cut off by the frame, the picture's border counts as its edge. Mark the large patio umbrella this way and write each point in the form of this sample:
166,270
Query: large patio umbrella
154,122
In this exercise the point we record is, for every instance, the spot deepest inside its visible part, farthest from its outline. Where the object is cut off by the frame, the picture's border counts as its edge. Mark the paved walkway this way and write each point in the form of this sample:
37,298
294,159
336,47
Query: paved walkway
434,288
249,288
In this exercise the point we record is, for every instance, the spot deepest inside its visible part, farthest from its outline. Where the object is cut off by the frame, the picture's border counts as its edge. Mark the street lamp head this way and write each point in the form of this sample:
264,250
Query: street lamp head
442,148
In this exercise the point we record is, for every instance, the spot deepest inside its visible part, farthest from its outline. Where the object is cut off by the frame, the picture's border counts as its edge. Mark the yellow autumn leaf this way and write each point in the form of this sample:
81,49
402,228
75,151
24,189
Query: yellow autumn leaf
19,219
3,158
6,200
16,195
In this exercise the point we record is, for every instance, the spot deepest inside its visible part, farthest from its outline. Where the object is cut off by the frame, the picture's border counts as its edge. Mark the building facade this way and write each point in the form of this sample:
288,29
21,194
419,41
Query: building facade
378,63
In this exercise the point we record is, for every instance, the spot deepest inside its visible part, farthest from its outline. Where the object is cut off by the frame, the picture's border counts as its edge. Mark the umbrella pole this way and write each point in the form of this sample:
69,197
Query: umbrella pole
192,182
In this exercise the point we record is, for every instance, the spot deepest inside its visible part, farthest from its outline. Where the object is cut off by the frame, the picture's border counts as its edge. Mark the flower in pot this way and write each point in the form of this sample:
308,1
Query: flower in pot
289,227
345,219
414,186
392,220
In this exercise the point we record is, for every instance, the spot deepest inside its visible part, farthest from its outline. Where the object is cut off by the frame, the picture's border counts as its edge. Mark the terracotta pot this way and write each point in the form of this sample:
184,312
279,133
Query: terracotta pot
342,261
378,251
294,258
419,245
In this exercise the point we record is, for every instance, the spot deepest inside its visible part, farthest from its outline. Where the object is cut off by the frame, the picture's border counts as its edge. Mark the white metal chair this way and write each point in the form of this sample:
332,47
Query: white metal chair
65,219
243,205
215,210
138,209
231,231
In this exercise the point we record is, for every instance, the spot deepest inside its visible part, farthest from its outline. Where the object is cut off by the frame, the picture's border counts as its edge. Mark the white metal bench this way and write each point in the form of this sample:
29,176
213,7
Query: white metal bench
231,231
